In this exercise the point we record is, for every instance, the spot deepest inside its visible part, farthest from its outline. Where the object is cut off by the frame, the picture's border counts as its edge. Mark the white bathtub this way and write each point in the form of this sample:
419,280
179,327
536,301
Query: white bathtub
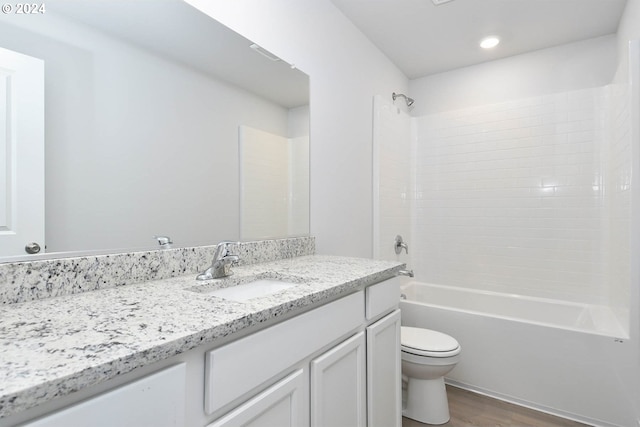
553,356
540,311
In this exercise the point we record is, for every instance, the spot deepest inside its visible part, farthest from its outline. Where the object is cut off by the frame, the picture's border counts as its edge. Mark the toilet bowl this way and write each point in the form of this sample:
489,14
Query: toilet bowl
427,356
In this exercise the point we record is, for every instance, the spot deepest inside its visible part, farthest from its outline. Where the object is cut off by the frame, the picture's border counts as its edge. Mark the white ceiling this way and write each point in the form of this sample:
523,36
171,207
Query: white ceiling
178,32
423,39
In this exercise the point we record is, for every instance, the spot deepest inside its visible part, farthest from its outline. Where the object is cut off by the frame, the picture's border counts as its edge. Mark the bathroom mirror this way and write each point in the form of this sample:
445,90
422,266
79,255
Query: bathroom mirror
143,106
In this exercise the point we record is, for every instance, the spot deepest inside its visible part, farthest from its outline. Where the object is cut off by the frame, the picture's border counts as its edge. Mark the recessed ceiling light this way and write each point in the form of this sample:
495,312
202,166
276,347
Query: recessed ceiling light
489,42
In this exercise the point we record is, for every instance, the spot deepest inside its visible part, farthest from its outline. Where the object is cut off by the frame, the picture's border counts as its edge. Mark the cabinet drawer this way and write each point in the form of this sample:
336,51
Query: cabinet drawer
158,400
237,368
383,297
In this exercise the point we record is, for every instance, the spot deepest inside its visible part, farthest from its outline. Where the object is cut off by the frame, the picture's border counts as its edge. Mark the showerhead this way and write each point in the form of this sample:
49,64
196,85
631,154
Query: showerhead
408,100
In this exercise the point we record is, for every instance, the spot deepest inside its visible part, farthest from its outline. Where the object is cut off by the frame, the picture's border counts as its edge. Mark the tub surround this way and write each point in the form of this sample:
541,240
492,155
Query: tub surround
52,347
34,280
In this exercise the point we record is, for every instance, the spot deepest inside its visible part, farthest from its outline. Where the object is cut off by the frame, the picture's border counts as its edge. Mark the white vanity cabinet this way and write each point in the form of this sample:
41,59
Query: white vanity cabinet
357,383
335,365
241,369
348,351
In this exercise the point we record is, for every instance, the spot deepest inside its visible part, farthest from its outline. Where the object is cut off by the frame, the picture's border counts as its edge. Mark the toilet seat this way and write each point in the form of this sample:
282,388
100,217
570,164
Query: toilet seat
425,342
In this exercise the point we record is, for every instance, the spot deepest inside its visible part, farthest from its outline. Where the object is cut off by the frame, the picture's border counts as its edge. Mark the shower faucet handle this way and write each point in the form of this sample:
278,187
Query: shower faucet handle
400,245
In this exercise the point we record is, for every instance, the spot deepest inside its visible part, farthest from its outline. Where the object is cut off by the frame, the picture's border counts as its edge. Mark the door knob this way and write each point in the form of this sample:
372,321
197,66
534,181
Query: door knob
32,248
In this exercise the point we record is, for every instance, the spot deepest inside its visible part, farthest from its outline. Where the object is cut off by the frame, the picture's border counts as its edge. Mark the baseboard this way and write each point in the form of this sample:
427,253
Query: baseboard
531,405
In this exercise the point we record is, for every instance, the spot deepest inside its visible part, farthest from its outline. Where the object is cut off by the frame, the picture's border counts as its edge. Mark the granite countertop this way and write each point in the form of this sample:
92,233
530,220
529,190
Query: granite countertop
52,347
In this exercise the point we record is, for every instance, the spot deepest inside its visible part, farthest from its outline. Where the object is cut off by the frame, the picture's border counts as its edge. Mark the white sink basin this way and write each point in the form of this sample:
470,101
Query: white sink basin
255,289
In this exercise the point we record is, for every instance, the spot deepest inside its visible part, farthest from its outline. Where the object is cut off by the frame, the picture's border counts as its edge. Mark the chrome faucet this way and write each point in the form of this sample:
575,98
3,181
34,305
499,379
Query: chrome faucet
405,273
221,264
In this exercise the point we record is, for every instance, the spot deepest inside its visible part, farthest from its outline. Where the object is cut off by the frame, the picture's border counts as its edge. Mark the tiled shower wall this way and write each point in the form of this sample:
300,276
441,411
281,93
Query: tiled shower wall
514,197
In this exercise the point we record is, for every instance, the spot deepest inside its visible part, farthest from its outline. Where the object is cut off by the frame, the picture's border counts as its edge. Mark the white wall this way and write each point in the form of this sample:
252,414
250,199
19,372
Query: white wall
558,69
298,122
629,30
345,70
299,137
299,186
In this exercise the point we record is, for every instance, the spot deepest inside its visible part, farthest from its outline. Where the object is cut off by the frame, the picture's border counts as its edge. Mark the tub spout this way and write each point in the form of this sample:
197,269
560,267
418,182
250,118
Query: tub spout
405,273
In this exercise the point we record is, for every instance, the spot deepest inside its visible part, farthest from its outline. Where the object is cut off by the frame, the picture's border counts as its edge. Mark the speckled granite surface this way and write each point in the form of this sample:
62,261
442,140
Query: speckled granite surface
52,347
33,280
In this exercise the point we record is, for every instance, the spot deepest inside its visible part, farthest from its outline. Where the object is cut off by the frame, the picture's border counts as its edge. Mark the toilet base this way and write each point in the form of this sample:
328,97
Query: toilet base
427,401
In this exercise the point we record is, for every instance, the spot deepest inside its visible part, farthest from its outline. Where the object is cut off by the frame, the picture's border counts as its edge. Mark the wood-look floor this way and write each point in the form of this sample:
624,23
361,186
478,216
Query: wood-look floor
468,409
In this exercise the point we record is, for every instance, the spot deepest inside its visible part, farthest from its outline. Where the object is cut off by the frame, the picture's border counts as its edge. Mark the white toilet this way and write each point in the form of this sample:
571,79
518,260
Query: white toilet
427,356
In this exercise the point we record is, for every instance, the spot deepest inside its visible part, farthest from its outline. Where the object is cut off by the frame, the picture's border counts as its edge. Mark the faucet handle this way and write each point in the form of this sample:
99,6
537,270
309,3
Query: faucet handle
221,263
400,244
164,241
222,249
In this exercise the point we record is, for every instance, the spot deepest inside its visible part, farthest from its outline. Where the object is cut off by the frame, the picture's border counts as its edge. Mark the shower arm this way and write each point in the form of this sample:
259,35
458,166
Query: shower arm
408,100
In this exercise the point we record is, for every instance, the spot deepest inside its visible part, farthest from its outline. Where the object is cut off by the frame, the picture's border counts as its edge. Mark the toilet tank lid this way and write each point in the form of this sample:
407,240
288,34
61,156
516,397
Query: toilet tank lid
426,339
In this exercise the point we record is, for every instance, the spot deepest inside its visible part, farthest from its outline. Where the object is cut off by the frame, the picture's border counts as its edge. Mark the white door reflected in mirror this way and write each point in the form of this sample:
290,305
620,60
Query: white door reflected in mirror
21,153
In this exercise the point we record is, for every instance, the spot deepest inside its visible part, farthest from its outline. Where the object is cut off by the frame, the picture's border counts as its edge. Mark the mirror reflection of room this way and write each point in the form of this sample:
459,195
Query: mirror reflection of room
141,122
274,178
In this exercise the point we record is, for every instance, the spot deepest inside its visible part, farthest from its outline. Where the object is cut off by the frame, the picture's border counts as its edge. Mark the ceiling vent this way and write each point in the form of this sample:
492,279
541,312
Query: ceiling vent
264,52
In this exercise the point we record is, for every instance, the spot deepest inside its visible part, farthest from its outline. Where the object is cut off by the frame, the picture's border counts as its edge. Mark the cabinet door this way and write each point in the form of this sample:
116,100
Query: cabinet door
338,385
283,404
384,389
